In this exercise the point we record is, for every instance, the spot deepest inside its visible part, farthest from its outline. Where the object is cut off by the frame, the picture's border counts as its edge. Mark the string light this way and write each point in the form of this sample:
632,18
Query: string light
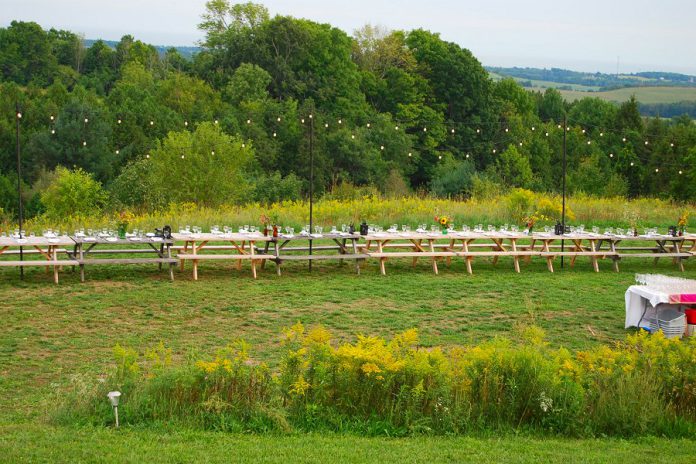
533,128
381,147
467,156
657,169
182,156
84,143
494,150
152,123
244,145
119,121
601,134
624,139
611,155
680,172
52,118
425,129
368,124
410,154
212,152
583,131
646,142
671,145
147,156
439,157
302,120
326,124
249,121
279,120
632,163
507,130
117,152
86,120
478,131
53,131
311,116
352,136
547,134
340,121
186,123
589,142
520,144
396,127
453,131
274,134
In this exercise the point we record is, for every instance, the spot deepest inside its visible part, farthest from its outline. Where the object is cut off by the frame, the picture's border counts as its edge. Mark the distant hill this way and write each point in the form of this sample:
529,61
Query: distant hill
565,79
186,52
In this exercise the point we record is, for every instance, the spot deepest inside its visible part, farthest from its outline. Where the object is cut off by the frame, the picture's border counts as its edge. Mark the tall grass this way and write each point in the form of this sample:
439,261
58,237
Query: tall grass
408,210
644,385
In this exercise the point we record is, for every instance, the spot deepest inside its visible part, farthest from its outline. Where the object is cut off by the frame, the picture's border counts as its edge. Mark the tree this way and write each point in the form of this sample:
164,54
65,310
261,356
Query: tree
73,194
206,167
26,54
513,168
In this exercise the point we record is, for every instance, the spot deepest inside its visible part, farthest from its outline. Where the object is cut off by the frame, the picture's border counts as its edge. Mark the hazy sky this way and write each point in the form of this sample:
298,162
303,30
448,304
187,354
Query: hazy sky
589,35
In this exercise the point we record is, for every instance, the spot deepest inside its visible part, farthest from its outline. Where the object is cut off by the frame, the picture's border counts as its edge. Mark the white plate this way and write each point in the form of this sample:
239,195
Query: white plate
111,239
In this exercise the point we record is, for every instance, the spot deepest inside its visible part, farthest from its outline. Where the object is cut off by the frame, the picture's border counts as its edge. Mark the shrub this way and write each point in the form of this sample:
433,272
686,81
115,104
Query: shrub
73,194
275,188
644,385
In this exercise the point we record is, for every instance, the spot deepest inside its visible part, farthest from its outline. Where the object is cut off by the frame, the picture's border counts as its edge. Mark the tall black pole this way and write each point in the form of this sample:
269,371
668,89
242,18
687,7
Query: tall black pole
18,116
563,210
311,185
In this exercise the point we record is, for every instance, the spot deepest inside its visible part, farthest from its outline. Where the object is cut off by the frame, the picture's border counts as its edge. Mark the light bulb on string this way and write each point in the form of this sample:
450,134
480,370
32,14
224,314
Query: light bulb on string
646,142
84,143
583,131
452,131
152,123
216,121
410,154
381,147
507,130
494,151
212,152
278,119
533,128
657,169
86,120
396,127
244,145
340,121
611,155
439,157
425,129
520,144
302,120
559,126
119,121
671,145
589,142
547,134
311,116
186,123
248,121
632,163
623,139
182,156
53,131
326,124
274,134
147,156
368,124
467,156
478,131
118,152
680,172
52,118
601,134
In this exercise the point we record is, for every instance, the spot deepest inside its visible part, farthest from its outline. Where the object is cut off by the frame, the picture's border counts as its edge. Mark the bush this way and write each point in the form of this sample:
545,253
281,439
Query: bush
453,178
73,194
275,188
644,385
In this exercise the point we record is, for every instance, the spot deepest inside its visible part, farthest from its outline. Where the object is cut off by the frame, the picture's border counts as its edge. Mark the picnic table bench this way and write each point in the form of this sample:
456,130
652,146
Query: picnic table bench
46,248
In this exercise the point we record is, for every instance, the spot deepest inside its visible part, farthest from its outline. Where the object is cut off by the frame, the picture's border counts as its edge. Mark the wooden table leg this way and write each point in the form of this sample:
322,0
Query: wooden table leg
355,252
431,244
515,258
549,259
194,248
382,259
615,258
53,252
82,266
593,248
469,259
171,264
253,261
182,262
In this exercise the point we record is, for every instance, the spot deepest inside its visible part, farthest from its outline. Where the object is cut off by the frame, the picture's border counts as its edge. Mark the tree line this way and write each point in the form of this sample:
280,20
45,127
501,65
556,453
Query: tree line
391,111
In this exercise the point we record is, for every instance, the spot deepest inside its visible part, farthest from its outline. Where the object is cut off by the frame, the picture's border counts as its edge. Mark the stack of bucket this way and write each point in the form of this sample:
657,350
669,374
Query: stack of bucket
690,321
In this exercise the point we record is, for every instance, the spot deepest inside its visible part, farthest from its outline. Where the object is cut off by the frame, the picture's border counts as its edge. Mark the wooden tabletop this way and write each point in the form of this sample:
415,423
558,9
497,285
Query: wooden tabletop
63,240
221,237
120,241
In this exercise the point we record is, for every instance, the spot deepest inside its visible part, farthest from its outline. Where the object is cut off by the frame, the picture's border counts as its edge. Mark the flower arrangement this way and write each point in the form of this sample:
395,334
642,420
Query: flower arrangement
532,219
123,220
444,222
683,222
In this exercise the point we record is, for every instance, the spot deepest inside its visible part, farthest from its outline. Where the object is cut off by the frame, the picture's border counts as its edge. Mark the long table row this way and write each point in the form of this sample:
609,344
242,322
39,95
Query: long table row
57,252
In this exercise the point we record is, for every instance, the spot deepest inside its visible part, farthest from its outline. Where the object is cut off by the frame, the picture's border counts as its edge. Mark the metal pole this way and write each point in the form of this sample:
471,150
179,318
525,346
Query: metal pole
18,116
311,185
563,210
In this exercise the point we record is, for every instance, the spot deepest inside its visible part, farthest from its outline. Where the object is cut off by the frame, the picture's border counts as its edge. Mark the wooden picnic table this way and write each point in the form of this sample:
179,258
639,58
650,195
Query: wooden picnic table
243,246
666,246
584,244
344,243
458,244
87,248
47,248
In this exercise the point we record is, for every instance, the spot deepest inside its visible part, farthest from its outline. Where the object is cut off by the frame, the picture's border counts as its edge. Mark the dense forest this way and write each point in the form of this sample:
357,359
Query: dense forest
388,111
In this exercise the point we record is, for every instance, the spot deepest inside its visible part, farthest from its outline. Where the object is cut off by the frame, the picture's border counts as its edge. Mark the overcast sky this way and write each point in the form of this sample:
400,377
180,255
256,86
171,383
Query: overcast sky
591,35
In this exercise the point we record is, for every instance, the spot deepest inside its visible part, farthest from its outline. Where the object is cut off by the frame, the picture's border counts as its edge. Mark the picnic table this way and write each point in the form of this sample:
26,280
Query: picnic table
343,242
585,244
665,246
87,249
47,248
242,245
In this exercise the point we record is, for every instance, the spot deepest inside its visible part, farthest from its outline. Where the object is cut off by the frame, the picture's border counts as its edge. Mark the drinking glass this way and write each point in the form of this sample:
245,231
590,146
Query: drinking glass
318,229
344,228
595,229
433,228
619,231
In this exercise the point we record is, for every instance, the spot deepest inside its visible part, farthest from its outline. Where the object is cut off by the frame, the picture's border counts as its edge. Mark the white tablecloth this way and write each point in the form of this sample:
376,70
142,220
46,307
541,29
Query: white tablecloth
635,302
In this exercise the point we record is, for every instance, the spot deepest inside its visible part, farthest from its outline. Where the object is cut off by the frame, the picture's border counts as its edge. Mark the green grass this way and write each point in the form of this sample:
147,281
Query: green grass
51,333
645,95
19,444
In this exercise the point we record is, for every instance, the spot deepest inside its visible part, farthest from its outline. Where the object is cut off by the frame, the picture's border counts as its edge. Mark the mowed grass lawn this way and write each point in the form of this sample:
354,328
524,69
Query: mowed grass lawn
647,95
50,333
